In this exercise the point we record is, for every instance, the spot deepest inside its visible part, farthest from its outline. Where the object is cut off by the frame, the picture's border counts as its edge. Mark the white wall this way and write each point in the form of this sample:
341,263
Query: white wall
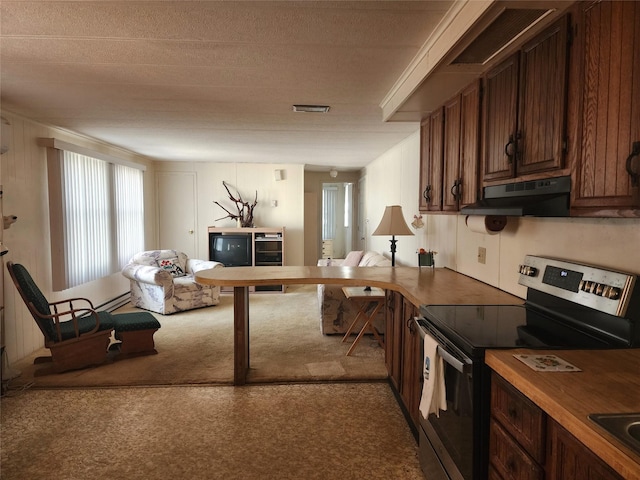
247,178
393,179
23,174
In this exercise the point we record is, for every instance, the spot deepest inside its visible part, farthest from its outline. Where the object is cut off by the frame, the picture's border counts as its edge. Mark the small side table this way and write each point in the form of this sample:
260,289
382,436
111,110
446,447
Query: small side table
370,302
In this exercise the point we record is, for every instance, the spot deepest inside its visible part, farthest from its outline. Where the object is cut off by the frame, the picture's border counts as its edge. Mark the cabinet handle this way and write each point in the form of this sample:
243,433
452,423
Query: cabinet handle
633,173
425,194
511,148
454,190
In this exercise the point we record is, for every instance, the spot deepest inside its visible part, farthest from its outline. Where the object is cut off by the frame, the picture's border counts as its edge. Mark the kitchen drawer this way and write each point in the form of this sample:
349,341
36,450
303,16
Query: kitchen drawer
519,416
509,461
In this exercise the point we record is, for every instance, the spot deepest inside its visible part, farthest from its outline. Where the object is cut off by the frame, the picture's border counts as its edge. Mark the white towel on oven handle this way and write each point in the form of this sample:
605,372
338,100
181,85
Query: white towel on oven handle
434,395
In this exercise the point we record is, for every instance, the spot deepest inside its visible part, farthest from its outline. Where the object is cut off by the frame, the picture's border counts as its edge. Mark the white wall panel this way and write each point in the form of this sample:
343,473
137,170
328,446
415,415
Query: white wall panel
23,174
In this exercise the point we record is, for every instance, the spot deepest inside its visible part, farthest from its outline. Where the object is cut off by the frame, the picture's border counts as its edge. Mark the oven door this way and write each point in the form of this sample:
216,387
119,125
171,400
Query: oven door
447,440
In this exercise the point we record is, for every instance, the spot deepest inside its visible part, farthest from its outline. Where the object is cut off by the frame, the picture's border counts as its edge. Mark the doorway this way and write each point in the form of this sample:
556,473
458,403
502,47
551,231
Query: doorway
337,219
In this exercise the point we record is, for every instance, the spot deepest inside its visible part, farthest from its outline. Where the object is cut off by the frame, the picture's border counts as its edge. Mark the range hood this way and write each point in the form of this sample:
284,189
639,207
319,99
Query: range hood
539,198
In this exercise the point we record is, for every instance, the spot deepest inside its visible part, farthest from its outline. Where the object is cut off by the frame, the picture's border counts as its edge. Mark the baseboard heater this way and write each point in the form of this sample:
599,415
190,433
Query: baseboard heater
114,303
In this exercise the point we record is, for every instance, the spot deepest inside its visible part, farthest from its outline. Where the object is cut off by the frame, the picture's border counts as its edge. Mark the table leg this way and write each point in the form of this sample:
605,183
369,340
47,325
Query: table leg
240,334
368,324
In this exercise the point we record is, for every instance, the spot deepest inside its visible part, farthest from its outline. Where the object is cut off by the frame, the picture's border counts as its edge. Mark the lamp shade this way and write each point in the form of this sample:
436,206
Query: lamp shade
393,222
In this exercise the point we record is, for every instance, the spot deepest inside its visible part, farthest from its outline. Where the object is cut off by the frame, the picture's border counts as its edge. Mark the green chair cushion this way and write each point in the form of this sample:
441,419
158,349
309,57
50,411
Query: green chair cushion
131,322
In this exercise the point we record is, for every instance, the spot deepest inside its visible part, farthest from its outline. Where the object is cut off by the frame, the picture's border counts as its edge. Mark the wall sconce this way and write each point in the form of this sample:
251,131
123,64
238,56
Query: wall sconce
278,175
333,173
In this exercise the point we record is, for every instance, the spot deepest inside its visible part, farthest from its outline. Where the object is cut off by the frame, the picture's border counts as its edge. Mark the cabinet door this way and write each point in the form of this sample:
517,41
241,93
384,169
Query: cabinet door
608,41
570,459
541,126
469,186
450,189
436,158
393,339
425,173
410,389
500,105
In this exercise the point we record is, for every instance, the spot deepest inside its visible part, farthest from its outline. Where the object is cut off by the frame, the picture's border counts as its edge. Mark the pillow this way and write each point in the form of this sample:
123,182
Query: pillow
352,259
171,265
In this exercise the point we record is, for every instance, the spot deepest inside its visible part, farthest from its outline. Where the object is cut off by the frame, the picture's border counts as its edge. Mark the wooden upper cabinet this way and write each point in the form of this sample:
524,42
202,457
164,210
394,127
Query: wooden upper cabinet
524,108
608,68
451,175
543,98
431,158
500,114
469,145
461,148
425,188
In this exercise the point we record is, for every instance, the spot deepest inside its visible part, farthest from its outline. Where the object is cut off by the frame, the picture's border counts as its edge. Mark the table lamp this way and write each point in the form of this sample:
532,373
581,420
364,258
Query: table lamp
393,223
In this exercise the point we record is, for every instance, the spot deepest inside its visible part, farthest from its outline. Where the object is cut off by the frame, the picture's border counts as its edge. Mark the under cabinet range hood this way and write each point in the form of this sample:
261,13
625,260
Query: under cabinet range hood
548,197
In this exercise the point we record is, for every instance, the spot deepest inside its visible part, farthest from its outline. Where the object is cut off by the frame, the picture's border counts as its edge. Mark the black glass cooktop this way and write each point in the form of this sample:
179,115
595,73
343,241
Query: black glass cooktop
474,328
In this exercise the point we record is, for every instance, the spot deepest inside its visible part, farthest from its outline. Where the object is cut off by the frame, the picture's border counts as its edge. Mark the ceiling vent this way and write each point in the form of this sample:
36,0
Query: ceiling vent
507,26
311,108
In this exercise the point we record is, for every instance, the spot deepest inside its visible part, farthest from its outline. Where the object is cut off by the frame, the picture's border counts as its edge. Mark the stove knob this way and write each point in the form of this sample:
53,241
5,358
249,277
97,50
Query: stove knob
585,285
613,293
599,289
592,288
527,270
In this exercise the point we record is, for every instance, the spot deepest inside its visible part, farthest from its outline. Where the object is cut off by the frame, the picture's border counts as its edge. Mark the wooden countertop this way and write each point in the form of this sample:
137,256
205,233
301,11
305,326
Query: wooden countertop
419,285
608,383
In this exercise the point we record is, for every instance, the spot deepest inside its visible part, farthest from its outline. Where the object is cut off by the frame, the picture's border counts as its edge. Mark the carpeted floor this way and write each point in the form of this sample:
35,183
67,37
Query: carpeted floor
306,431
196,347
172,416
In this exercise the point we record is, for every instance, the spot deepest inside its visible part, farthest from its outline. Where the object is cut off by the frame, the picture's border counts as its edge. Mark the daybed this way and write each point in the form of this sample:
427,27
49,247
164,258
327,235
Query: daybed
336,312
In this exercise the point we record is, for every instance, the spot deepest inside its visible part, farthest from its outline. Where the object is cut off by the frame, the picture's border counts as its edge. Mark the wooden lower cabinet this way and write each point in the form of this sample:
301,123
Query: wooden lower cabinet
570,459
410,386
393,337
402,351
526,444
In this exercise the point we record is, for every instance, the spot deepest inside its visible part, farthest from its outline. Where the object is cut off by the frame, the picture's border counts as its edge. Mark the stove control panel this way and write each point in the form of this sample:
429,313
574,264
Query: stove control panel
595,287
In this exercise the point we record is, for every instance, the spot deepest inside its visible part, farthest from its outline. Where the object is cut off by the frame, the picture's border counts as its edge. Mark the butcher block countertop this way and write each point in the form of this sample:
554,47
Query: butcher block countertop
418,285
608,383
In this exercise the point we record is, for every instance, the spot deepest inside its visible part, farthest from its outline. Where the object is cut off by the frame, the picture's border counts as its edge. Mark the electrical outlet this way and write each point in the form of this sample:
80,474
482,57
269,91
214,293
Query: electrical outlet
482,255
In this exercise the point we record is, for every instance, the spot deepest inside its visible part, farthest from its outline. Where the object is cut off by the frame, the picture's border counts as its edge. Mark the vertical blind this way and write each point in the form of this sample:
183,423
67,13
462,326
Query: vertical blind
329,205
103,217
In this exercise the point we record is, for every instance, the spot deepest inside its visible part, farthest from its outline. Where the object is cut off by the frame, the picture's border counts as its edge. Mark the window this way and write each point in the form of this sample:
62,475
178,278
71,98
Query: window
97,215
329,204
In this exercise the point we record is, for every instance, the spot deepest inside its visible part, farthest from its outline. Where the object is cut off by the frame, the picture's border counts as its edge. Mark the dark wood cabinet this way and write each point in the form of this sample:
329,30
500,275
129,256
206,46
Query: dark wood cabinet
525,100
431,161
461,148
402,351
607,68
525,443
500,107
393,337
570,459
411,385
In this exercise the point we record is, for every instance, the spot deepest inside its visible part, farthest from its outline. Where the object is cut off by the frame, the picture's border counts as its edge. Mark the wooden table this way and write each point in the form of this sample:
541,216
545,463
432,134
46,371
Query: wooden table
419,286
369,302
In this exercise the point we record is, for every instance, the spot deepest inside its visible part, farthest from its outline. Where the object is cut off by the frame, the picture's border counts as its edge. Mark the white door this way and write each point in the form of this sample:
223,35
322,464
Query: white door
176,200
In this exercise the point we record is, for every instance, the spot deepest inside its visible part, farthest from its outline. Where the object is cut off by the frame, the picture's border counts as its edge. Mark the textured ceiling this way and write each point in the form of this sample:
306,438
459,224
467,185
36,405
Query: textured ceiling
215,81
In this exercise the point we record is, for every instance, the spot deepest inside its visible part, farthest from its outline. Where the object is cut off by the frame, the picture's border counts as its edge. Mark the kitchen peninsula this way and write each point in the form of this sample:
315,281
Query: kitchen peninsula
418,286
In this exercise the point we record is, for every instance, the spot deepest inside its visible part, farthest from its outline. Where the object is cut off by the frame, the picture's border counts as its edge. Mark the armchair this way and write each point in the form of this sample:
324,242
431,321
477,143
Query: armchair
163,281
76,334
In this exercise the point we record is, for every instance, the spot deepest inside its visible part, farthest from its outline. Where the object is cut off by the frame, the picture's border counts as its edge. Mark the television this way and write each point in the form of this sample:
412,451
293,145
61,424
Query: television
231,250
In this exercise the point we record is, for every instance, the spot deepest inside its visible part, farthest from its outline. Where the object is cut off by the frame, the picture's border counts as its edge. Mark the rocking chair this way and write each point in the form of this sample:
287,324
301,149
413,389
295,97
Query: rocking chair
76,334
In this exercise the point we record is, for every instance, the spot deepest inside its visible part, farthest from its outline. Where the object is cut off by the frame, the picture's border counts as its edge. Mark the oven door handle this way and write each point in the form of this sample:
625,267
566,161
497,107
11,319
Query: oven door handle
453,361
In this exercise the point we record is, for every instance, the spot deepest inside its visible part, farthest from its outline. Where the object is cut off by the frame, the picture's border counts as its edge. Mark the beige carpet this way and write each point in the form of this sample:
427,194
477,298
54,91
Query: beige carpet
328,431
196,347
